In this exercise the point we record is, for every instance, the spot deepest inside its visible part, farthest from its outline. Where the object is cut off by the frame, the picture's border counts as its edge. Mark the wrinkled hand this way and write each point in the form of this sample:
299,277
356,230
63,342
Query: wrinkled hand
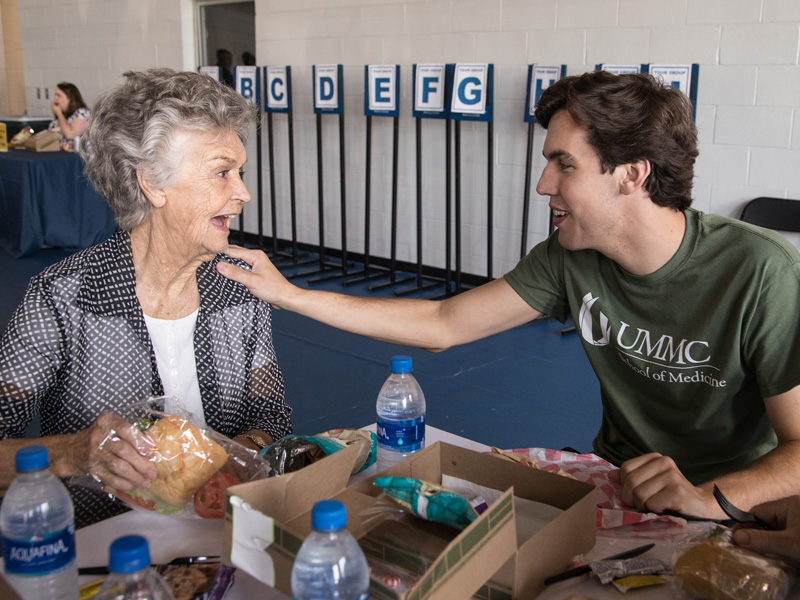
116,452
263,280
784,516
652,482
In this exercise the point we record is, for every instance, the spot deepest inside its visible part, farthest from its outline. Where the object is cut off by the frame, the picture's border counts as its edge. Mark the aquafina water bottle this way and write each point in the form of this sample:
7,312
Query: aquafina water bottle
330,564
38,529
401,415
131,576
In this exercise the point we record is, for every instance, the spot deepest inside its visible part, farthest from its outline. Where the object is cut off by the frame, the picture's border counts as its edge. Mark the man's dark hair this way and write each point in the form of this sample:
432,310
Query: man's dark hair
632,117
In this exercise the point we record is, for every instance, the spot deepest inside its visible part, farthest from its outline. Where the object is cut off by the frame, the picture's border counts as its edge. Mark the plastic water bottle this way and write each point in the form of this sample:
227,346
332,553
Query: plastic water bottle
330,564
131,577
401,415
38,530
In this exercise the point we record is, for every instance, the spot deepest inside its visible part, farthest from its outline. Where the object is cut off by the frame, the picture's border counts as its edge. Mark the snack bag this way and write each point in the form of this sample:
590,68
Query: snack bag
293,452
431,502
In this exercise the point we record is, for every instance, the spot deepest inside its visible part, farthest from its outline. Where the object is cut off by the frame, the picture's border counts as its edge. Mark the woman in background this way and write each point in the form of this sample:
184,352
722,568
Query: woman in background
71,114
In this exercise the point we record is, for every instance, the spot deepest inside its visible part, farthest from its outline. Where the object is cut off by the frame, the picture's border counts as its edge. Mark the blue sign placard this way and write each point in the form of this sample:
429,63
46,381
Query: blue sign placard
278,89
682,77
540,77
382,90
621,69
472,92
431,88
328,96
248,83
211,71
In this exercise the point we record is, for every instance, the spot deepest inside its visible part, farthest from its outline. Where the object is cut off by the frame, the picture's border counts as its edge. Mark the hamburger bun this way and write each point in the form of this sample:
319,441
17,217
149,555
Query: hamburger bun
184,457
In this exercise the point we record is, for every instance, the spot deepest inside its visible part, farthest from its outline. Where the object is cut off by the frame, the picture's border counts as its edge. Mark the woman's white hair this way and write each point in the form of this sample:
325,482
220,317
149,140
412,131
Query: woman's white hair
133,126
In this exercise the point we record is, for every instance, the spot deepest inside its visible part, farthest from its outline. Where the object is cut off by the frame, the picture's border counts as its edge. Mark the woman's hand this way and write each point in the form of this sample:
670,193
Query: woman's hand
115,452
57,112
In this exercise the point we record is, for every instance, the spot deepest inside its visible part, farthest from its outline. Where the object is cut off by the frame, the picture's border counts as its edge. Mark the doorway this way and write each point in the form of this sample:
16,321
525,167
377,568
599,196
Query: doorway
225,25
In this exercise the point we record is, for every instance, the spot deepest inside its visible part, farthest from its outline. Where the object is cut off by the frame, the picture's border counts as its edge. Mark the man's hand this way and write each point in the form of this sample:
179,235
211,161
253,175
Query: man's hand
263,280
784,516
652,482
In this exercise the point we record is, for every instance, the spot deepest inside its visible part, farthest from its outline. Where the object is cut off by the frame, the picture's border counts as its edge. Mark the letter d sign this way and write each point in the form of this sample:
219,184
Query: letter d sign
327,79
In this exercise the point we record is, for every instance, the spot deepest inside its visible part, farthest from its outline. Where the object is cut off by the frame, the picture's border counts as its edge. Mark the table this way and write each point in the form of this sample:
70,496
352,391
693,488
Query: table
170,537
45,200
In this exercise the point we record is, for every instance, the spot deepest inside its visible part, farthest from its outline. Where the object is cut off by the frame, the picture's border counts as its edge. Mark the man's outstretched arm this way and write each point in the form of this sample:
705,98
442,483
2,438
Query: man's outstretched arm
429,324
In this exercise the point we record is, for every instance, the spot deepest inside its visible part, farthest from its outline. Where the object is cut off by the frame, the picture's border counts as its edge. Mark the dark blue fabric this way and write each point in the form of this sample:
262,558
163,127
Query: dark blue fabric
45,200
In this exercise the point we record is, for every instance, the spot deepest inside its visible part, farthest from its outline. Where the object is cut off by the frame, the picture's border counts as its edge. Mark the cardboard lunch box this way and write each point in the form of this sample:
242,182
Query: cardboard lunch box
497,556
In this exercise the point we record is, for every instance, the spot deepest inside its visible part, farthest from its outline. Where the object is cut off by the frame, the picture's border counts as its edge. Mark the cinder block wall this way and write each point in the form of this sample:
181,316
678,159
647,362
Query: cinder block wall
748,112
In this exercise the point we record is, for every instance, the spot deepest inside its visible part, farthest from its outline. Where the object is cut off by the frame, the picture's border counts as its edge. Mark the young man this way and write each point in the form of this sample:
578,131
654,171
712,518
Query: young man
690,321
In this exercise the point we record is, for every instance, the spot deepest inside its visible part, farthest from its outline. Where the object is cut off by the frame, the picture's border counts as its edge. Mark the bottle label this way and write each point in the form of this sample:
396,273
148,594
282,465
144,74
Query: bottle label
401,436
41,554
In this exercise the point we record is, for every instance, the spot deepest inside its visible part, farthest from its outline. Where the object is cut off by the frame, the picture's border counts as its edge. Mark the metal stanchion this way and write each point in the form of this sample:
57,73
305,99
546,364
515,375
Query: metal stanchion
259,183
343,266
393,280
324,265
421,285
526,202
367,274
489,199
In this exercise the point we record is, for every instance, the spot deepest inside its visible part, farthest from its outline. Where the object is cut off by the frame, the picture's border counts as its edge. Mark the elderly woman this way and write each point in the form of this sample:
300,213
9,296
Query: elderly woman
145,312
70,112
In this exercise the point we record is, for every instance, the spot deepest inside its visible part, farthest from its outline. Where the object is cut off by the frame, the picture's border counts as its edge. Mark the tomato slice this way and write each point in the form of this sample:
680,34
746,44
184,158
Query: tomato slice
135,500
209,500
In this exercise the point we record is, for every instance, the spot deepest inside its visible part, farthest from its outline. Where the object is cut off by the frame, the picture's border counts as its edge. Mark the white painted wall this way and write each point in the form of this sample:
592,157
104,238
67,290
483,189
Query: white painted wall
748,114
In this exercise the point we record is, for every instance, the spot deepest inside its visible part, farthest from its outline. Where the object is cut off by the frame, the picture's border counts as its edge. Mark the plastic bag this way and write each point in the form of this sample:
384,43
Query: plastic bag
195,464
432,502
717,569
293,452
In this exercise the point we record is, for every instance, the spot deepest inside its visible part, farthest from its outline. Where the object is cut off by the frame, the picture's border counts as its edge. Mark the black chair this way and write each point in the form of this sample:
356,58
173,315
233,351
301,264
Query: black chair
773,213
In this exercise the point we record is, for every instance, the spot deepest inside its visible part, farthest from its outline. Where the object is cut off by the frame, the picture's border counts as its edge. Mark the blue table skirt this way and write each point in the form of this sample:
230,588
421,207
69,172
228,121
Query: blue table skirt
46,200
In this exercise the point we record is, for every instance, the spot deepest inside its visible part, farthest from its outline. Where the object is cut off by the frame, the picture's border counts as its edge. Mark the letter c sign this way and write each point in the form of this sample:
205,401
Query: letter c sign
278,89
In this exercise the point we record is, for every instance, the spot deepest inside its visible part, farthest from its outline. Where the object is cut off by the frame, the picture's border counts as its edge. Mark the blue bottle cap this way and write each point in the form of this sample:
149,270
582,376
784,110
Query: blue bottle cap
128,554
401,364
31,458
328,515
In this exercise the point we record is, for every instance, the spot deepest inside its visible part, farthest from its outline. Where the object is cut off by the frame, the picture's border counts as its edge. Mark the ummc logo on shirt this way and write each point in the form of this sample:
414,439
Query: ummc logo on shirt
678,361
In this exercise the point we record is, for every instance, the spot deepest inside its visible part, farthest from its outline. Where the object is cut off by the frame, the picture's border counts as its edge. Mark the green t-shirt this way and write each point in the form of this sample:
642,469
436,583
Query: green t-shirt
684,355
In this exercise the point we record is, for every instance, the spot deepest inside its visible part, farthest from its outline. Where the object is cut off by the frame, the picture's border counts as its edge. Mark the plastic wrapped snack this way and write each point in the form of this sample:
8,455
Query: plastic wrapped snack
194,465
198,581
716,569
432,502
293,452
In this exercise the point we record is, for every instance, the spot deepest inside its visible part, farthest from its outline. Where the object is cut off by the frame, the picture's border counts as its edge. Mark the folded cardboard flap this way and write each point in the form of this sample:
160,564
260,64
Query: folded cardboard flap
292,498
